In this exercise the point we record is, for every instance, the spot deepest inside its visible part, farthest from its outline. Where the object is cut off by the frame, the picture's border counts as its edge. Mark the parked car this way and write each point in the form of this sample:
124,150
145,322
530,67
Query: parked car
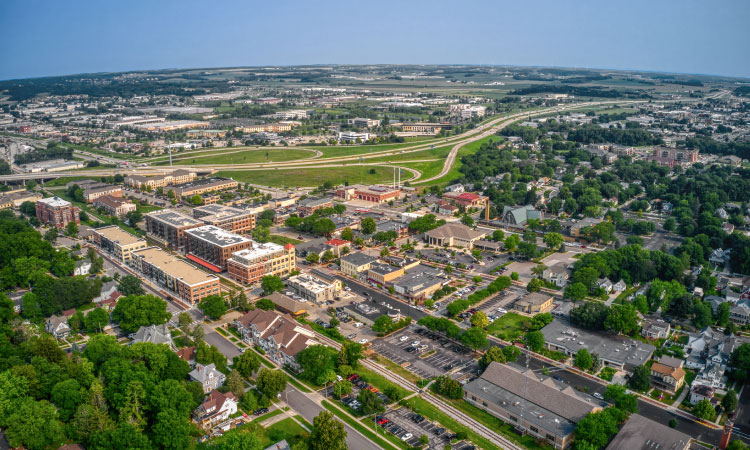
260,411
598,395
403,338
363,341
407,436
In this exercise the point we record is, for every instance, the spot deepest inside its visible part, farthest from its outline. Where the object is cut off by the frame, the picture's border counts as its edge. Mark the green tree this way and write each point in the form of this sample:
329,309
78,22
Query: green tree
171,430
135,311
134,217
704,410
618,395
729,402
213,306
736,445
247,363
371,404
271,284
494,354
553,241
327,433
511,242
583,359
347,234
130,285
479,320
66,395
315,360
236,384
514,276
535,341
261,234
312,257
72,229
534,285
596,429
271,382
669,224
265,304
342,388
447,386
51,235
350,354
34,425
467,220
368,225
498,235
474,338
640,380
96,320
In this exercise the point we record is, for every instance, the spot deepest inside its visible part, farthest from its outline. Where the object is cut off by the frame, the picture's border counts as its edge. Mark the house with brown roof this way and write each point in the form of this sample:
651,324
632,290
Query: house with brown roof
187,354
215,409
667,378
280,336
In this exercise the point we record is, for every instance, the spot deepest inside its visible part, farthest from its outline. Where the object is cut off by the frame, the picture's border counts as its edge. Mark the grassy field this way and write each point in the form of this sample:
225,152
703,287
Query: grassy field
334,151
429,169
232,156
508,327
283,240
311,176
287,429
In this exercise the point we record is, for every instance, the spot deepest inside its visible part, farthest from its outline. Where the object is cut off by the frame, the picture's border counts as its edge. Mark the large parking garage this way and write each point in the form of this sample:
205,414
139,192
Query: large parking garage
408,348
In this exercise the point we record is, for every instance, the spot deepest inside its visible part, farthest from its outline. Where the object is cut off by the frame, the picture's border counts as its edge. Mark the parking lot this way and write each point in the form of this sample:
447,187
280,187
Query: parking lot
447,356
403,423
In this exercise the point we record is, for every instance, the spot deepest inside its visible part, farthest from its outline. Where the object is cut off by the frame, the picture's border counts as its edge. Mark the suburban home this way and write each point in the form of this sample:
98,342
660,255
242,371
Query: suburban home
740,313
187,354
155,334
208,376
620,286
215,409
57,326
557,274
280,336
667,378
605,284
708,352
108,290
82,267
701,392
655,329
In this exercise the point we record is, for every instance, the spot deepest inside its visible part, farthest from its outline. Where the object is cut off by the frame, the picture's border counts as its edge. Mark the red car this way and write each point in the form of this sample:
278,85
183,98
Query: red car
383,421
352,377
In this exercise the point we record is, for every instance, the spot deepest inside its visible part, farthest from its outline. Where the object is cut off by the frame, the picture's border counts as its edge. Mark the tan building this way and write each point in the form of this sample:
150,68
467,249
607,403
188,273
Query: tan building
202,186
17,198
429,128
157,181
115,206
250,265
211,246
355,263
168,226
453,235
227,218
534,303
317,289
667,378
384,273
93,191
185,281
118,242
266,128
375,194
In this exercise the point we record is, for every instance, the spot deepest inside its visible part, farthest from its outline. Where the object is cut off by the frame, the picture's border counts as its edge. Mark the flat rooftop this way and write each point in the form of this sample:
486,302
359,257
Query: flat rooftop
117,234
174,218
55,202
217,236
204,182
175,267
258,251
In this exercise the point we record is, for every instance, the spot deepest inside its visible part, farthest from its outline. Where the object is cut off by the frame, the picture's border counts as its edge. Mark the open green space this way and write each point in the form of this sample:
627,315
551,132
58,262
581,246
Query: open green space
336,151
509,327
311,176
283,240
287,429
233,156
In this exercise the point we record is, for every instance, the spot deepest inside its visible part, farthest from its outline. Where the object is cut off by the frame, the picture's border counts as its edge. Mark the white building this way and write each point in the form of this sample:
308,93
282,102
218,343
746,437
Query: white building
350,136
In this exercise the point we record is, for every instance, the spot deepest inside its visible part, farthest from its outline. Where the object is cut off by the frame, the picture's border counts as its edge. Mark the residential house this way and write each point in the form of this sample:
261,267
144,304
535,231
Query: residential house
667,378
187,354
708,352
700,392
57,326
605,284
280,336
215,409
620,286
655,329
557,273
740,312
82,267
155,334
208,376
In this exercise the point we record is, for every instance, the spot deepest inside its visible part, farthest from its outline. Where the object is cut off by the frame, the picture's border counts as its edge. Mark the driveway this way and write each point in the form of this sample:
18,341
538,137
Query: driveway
225,347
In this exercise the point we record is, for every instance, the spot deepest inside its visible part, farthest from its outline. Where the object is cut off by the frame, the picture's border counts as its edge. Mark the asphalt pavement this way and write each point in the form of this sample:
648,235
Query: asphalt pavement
225,347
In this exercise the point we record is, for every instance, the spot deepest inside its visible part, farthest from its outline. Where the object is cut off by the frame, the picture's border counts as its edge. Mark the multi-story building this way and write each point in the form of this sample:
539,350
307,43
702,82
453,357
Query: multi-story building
312,204
374,193
56,212
655,329
466,199
291,114
542,409
355,263
384,273
427,128
115,206
118,242
266,128
351,136
157,181
93,191
208,376
667,377
557,273
168,226
18,198
419,283
316,289
363,122
185,281
212,246
666,156
250,265
215,409
202,186
227,218
280,336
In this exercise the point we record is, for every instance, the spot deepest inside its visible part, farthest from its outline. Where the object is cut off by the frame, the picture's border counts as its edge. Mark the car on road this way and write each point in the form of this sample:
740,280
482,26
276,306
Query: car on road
407,436
411,349
598,395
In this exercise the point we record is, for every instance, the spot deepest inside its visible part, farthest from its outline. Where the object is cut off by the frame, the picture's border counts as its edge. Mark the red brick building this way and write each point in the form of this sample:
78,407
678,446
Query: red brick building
375,194
57,212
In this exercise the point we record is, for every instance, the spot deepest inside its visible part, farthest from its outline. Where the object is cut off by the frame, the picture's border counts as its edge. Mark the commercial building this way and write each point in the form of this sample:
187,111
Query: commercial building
227,218
280,336
453,235
115,206
291,114
157,181
363,122
426,128
670,157
56,212
312,204
266,128
534,303
576,229
619,352
118,242
172,125
202,186
419,283
376,194
168,226
351,136
642,433
355,263
537,407
466,199
287,304
185,281
54,165
314,288
251,264
384,273
11,199
212,246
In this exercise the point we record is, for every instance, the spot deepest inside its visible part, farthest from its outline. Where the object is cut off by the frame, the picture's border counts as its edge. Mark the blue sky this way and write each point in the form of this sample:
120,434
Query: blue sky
39,38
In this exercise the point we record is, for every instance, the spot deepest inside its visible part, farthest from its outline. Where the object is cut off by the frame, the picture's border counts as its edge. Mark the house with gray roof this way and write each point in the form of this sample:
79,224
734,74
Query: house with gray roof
57,326
708,352
208,376
642,433
520,215
155,334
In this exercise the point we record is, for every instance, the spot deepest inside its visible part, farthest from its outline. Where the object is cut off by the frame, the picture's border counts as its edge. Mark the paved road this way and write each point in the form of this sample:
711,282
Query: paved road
225,347
308,409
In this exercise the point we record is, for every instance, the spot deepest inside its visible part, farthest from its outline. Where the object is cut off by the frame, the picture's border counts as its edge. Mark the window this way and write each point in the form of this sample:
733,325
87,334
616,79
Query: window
484,403
534,429
513,418
550,438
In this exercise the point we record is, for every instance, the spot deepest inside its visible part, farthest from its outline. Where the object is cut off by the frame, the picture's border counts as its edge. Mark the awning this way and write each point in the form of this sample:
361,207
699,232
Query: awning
205,264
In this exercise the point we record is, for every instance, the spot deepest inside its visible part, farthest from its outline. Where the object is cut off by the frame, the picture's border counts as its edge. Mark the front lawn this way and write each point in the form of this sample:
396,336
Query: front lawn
607,373
510,327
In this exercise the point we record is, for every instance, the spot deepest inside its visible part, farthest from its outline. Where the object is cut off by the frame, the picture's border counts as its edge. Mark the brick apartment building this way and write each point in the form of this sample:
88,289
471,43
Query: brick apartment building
227,218
309,205
115,206
211,246
157,181
168,226
56,212
250,265
118,242
202,186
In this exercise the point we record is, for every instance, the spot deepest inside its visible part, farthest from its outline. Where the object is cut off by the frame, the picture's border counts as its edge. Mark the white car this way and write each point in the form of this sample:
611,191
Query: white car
358,325
407,436
415,343
403,338
598,395
363,341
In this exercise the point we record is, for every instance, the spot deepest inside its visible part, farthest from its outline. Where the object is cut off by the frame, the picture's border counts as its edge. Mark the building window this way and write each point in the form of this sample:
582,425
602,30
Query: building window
513,418
550,438
534,429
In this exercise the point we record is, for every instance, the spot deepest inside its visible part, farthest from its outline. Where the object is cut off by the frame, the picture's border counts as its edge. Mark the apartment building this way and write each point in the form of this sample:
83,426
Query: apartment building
667,377
93,191
168,226
291,114
211,246
666,156
363,122
315,289
56,212
250,265
160,181
280,336
202,186
118,242
374,193
311,204
355,263
185,281
115,206
540,408
265,128
426,128
227,218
